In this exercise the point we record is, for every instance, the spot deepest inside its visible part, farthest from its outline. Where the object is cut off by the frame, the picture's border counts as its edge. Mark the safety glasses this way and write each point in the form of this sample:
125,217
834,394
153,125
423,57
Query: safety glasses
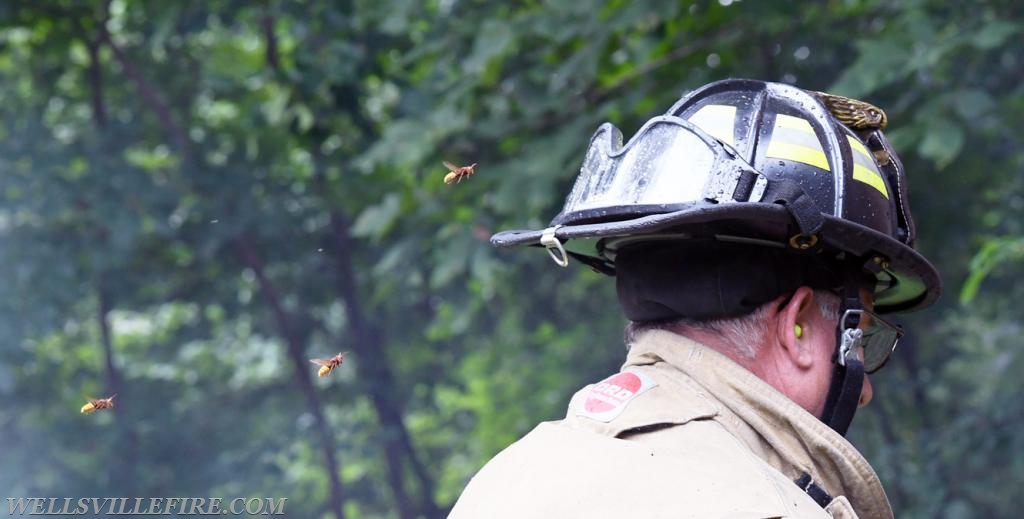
865,331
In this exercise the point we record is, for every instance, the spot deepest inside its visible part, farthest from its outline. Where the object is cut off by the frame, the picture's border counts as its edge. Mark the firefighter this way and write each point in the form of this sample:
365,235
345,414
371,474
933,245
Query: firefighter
759,236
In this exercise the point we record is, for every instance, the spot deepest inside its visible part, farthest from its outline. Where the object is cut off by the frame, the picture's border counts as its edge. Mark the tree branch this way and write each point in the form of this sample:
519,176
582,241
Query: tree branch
366,341
296,354
369,346
273,59
99,109
126,473
599,95
149,93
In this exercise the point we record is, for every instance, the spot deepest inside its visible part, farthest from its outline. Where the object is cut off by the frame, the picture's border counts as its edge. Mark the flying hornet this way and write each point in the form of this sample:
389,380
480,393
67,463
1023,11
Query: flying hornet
96,404
328,365
457,173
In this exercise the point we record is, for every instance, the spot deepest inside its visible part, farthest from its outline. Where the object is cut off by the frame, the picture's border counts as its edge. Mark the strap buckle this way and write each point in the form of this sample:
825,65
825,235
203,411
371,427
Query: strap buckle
737,184
554,246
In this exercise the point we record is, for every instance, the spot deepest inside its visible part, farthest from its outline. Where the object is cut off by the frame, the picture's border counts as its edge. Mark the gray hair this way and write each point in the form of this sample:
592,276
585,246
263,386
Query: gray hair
736,331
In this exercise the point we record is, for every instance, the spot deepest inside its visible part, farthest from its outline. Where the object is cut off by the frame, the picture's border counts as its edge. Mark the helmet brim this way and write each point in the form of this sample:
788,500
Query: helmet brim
913,283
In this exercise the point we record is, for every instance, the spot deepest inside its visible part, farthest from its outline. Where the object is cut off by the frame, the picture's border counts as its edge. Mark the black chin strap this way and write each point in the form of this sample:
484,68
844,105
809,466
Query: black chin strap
848,373
844,395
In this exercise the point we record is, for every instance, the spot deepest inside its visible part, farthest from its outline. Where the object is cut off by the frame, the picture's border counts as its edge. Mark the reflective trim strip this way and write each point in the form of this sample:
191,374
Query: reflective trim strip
719,121
793,123
797,153
871,178
864,168
858,146
794,139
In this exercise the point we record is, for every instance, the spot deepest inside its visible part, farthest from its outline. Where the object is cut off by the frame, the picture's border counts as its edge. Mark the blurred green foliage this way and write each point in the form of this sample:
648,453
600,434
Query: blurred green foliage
196,197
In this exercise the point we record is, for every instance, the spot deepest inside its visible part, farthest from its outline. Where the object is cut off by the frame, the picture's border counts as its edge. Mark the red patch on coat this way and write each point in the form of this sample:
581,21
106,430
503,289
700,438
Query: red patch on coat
612,392
609,397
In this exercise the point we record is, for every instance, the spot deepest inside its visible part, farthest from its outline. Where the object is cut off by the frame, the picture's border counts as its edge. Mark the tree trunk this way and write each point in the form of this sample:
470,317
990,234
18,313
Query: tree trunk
374,368
125,473
296,353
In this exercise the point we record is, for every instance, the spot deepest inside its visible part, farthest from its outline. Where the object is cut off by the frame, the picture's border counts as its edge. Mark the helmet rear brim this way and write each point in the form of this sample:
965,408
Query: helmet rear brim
911,282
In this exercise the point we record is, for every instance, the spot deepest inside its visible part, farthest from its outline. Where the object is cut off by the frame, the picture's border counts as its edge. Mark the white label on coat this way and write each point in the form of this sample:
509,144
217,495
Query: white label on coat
609,397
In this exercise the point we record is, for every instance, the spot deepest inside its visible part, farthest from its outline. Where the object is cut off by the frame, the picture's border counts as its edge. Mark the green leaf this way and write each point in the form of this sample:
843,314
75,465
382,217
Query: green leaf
275,105
376,220
995,34
973,103
879,63
994,252
942,142
494,41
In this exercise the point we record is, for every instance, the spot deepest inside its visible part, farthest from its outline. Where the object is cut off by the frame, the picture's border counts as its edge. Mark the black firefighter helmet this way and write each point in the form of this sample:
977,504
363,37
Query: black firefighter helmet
741,192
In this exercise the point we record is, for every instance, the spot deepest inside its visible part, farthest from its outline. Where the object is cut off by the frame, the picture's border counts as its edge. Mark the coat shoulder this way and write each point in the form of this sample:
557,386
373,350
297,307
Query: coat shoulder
699,470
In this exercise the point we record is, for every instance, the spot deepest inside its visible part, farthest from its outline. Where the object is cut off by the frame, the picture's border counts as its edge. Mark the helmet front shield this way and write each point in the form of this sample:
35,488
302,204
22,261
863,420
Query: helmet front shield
668,165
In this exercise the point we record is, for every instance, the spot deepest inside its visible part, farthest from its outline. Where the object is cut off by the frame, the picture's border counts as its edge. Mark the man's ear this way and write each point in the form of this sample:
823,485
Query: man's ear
798,346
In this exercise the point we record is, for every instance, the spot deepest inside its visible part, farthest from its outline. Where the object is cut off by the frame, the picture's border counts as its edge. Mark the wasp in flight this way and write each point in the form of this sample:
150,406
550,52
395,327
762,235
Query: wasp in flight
457,173
328,365
95,404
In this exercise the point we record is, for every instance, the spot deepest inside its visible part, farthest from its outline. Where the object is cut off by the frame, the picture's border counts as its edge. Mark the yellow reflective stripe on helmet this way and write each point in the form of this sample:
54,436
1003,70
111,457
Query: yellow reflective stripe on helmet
793,123
870,178
718,121
797,153
794,139
864,168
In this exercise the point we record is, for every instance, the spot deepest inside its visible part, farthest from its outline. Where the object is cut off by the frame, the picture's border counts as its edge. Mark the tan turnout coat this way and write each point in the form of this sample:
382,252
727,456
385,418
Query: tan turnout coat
682,431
